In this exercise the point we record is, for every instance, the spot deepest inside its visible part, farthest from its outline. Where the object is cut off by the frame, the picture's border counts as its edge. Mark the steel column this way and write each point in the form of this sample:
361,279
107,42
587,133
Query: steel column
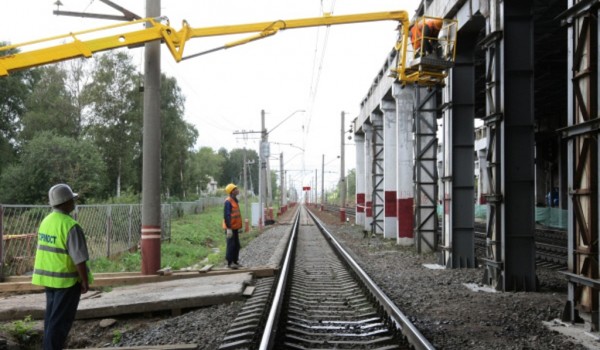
377,171
493,122
425,177
459,126
510,261
581,135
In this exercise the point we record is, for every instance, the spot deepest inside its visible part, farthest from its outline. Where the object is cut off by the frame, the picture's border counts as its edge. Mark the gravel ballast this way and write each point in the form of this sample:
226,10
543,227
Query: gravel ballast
437,301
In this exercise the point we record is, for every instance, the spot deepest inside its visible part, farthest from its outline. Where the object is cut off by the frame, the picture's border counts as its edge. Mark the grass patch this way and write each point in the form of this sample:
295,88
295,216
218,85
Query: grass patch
22,331
196,239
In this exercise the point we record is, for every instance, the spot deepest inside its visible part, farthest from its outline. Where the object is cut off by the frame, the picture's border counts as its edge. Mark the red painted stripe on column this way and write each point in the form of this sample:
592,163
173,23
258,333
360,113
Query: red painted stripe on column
360,202
369,208
390,204
150,246
405,218
360,198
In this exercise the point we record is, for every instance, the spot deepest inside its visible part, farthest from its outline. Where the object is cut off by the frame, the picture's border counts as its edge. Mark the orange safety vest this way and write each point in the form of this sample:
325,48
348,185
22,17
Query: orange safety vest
236,216
416,31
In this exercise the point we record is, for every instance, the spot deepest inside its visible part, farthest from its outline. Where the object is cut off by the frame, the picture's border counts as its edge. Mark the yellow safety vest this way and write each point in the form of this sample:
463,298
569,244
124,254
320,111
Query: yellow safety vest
53,266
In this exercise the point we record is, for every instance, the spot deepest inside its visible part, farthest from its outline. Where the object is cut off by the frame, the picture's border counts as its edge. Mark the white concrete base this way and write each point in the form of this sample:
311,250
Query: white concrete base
390,228
360,219
405,241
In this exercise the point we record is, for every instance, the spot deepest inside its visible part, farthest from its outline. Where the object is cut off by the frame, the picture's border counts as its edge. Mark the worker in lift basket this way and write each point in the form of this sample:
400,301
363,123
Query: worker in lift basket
61,266
426,31
232,223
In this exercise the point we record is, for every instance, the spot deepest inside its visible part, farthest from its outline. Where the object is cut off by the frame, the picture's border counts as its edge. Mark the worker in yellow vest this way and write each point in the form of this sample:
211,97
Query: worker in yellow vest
61,266
232,223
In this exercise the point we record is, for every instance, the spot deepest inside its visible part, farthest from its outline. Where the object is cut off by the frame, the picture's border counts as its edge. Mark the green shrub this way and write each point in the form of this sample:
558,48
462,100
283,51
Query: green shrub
22,330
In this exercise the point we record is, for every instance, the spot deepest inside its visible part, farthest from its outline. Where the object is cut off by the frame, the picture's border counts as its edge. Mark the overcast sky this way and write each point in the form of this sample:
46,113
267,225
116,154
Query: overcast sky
319,70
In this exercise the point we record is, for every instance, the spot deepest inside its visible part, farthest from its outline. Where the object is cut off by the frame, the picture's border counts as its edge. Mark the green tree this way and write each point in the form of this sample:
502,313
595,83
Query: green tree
203,164
233,167
227,174
49,159
114,114
14,90
49,106
178,139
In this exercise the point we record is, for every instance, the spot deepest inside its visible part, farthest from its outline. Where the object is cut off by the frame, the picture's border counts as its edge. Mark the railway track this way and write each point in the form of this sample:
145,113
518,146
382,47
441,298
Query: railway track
321,299
551,245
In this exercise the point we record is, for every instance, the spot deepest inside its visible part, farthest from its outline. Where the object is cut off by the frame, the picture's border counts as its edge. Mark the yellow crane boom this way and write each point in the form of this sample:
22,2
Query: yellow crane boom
16,57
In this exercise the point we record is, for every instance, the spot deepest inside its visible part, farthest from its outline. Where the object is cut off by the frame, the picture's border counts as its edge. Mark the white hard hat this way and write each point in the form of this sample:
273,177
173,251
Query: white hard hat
60,194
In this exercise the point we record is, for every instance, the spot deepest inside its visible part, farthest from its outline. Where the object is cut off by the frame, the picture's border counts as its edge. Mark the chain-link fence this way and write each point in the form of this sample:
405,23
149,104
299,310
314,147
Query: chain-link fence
109,229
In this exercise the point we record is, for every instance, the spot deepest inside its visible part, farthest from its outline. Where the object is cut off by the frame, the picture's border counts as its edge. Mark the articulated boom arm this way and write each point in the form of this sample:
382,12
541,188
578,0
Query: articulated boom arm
159,29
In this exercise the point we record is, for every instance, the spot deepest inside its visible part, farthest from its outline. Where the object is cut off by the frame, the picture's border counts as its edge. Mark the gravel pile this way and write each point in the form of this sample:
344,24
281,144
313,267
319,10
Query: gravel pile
437,302
205,326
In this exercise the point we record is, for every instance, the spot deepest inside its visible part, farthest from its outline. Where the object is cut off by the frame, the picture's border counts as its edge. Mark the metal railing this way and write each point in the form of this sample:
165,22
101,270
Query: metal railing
109,229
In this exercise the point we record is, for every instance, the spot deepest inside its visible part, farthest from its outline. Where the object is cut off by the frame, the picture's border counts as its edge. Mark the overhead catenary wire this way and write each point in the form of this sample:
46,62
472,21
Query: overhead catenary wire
317,69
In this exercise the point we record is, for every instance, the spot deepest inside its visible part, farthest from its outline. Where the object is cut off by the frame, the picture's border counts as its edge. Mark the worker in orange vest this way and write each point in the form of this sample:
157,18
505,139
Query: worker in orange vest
425,31
232,223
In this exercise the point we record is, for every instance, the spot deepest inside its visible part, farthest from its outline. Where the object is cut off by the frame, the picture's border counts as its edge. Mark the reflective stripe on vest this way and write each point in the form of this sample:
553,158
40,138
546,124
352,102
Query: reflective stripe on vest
236,216
53,266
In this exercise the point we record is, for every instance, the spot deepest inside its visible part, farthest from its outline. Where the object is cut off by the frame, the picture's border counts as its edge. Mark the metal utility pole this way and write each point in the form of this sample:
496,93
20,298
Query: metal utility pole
316,188
264,174
282,202
342,166
262,167
245,184
322,182
284,186
245,174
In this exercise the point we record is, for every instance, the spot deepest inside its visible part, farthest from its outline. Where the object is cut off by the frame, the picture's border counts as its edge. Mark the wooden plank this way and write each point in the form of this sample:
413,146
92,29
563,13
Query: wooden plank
23,284
96,275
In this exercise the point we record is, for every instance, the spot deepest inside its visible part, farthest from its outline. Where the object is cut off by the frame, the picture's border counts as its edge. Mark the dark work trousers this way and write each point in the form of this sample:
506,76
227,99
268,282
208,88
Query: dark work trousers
61,306
428,44
233,248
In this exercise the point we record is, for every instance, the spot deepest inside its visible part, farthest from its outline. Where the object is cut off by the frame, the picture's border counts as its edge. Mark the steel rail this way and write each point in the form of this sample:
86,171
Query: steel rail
402,322
270,331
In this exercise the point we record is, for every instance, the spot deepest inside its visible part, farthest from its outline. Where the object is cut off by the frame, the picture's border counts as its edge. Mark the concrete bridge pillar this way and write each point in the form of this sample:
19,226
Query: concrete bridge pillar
404,98
359,140
390,224
368,178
